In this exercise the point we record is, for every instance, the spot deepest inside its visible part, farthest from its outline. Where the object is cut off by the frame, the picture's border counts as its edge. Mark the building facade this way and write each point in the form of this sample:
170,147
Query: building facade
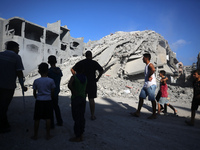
37,42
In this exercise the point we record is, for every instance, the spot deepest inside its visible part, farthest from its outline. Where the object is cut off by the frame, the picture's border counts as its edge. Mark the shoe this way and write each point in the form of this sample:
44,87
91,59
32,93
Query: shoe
175,112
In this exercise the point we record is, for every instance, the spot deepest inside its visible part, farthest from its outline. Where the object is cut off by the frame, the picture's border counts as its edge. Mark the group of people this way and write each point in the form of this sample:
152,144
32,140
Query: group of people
149,89
83,83
46,90
162,96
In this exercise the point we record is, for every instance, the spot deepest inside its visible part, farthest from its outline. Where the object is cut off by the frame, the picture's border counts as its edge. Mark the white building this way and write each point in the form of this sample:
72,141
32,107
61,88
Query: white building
37,42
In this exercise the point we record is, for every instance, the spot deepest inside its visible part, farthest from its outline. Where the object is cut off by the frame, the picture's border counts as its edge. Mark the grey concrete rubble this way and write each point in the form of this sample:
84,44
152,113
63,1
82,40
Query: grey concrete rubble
120,54
117,52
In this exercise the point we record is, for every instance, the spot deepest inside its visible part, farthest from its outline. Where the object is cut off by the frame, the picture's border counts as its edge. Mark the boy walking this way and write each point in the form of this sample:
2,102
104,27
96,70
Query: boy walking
43,91
196,97
148,88
77,85
55,73
164,94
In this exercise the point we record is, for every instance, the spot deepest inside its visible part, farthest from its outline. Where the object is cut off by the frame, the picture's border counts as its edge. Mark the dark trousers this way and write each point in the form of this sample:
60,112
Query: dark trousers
6,96
56,109
78,113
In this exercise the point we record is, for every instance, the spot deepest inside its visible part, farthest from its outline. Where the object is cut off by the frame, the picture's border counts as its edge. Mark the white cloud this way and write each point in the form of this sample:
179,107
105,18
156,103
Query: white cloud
176,45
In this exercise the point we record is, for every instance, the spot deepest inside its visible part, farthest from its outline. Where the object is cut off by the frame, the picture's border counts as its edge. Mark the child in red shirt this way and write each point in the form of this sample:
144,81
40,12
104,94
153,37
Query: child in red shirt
164,94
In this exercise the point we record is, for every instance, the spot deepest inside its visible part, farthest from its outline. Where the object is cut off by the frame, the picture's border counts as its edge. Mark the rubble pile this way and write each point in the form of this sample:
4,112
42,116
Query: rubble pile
116,87
109,86
121,53
121,56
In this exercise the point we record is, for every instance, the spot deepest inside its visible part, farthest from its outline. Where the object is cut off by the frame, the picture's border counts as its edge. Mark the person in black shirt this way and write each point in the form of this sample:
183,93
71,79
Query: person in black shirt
196,97
55,73
89,70
11,67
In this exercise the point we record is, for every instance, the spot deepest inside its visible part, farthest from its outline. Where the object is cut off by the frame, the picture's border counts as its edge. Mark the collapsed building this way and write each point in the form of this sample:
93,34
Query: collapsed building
37,43
121,54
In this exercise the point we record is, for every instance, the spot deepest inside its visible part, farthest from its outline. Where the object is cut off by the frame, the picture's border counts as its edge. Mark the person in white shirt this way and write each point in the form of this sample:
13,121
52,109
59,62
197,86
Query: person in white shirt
43,91
148,88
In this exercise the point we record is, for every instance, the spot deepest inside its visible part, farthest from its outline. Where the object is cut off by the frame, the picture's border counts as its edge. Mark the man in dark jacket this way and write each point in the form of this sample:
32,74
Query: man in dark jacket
90,67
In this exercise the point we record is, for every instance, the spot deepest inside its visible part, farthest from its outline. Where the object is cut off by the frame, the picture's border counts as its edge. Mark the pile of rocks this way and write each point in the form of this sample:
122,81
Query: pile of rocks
121,56
121,53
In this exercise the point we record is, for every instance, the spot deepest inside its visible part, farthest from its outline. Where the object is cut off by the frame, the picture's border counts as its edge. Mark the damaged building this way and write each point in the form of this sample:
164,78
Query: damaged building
37,42
121,54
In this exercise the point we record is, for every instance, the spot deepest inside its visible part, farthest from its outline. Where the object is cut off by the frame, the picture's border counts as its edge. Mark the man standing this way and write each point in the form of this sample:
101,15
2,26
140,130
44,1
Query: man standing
11,67
148,88
196,97
90,67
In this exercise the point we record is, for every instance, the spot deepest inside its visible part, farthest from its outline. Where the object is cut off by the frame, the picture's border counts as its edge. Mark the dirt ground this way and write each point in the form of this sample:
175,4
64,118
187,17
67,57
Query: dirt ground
114,128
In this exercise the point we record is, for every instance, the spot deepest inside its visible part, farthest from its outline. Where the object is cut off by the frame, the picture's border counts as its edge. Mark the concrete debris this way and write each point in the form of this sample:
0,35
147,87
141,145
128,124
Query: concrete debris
116,87
121,53
113,86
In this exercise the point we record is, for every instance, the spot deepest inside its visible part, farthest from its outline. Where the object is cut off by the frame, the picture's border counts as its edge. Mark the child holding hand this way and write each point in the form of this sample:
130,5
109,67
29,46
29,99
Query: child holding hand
164,94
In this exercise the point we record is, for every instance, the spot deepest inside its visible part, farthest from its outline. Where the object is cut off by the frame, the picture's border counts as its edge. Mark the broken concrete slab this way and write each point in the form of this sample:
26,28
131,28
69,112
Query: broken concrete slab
128,47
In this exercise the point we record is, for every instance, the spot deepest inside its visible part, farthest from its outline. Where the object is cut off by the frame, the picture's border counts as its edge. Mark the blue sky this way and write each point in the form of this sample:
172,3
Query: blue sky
178,21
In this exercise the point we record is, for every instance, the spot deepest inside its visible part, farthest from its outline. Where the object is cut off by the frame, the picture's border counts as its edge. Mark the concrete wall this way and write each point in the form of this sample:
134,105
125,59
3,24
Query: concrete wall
37,43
